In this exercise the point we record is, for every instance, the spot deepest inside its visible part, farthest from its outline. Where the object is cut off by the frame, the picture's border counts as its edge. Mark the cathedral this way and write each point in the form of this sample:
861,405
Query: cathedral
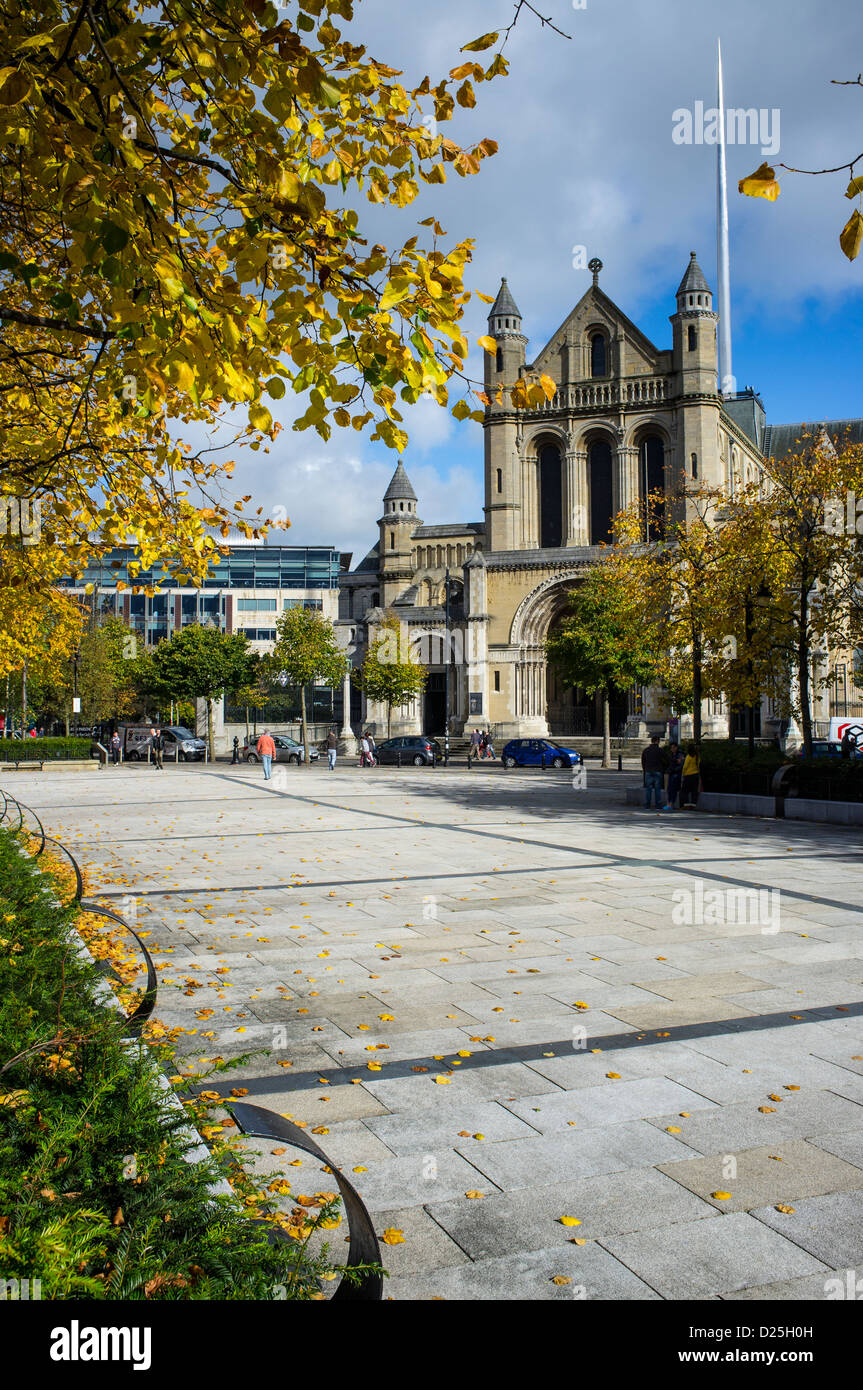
479,598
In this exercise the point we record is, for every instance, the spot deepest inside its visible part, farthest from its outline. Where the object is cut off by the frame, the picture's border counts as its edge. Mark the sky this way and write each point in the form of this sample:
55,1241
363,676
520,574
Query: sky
587,159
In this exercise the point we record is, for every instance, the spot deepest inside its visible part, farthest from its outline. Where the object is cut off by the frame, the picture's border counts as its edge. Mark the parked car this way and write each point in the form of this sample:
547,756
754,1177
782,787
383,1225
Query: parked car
828,748
418,749
182,744
534,752
179,743
287,750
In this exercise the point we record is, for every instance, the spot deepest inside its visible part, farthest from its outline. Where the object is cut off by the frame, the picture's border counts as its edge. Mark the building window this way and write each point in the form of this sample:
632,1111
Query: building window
392,540
692,338
550,508
253,605
601,495
500,480
598,355
497,680
652,481
498,362
693,458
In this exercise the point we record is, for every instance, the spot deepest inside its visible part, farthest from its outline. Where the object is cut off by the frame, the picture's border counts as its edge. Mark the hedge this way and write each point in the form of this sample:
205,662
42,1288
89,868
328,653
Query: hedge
27,748
726,767
97,1197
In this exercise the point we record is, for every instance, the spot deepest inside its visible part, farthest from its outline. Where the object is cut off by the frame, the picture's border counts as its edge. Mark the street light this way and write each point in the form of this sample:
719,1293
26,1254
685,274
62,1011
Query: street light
447,651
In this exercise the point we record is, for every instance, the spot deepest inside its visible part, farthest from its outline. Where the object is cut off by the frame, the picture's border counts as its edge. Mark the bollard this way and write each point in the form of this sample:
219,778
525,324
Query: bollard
543,760
620,762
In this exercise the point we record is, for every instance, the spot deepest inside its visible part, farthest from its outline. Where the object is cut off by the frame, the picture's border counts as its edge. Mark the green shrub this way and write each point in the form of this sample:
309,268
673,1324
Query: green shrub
727,767
27,748
97,1198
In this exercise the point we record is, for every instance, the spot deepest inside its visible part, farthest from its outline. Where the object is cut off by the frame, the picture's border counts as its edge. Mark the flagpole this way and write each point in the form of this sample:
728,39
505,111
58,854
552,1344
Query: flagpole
726,379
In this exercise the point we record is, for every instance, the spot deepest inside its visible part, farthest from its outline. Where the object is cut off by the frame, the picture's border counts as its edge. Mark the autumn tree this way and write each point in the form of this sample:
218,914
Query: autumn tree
180,244
306,652
390,673
200,663
602,643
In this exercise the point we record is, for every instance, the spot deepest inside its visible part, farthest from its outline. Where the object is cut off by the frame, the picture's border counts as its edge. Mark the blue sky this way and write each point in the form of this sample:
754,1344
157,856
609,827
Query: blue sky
587,158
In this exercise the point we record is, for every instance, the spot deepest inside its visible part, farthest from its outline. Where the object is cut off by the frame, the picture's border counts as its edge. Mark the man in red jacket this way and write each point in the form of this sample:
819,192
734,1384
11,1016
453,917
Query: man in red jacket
267,749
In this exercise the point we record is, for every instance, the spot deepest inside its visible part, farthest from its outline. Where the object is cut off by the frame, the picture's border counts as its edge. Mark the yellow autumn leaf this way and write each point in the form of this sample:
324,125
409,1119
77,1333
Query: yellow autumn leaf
561,1279
672,1129
478,45
393,1236
442,1080
761,184
721,1196
474,1193
788,1211
488,343
569,1221
851,236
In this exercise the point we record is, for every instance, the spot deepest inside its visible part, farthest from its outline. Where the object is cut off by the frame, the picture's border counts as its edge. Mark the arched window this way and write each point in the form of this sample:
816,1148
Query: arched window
601,491
652,480
550,509
692,338
392,540
598,355
693,458
499,361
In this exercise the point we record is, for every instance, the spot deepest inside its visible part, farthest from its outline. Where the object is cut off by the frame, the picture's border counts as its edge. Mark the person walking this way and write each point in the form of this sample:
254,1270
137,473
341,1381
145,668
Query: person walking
332,749
235,756
653,762
675,775
691,777
115,749
157,744
475,741
483,744
373,748
267,751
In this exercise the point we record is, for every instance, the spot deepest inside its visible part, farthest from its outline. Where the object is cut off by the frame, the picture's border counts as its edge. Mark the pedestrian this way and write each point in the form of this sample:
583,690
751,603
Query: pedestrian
849,744
157,743
483,744
489,746
691,777
115,749
475,742
675,775
235,757
373,748
654,762
364,750
267,750
332,749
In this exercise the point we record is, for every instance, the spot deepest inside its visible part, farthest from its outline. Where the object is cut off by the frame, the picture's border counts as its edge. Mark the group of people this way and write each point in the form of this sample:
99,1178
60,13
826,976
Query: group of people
480,745
368,749
682,770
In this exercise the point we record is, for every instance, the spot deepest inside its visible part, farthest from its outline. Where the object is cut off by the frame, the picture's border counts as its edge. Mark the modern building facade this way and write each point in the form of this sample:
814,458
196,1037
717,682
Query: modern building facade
627,418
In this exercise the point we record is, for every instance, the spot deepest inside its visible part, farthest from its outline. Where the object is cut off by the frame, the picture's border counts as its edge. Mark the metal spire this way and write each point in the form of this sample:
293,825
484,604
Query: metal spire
727,384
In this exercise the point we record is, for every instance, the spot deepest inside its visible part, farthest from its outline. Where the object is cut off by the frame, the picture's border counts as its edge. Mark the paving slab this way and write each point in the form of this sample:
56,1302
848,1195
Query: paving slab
585,1273
829,1227
781,1173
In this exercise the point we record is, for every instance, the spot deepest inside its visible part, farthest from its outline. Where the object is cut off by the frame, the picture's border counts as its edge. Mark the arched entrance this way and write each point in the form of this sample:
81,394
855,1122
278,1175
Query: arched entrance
570,710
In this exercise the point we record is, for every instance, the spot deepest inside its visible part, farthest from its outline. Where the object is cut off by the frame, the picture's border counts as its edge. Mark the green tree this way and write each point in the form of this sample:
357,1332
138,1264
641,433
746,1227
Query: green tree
305,652
601,643
200,663
389,673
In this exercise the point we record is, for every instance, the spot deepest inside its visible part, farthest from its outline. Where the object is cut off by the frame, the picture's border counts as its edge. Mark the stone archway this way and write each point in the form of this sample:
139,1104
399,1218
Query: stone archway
535,615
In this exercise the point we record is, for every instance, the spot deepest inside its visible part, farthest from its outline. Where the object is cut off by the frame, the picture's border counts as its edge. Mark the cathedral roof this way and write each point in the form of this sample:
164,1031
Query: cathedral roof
504,304
400,486
781,440
693,279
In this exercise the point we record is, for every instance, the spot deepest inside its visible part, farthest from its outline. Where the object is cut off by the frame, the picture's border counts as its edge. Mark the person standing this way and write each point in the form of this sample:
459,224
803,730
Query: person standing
691,777
675,775
332,749
364,750
653,763
115,749
267,751
157,743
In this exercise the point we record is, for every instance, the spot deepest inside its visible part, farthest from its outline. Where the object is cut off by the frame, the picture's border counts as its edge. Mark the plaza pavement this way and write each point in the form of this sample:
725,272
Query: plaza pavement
481,994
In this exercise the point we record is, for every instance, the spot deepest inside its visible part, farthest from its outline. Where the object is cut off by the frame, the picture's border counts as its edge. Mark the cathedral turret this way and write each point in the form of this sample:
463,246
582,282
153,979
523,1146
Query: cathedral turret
694,325
503,367
504,325
397,526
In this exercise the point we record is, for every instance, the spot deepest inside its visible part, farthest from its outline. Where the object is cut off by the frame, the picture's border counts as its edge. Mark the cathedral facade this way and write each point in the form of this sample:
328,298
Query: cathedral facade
479,598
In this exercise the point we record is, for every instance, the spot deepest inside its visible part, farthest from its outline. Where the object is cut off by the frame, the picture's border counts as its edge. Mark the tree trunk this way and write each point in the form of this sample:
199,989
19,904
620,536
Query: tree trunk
389,718
606,729
210,726
696,689
247,724
305,726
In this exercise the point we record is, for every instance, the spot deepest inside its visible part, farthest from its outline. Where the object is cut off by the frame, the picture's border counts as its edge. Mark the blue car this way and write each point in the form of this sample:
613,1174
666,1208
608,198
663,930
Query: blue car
536,752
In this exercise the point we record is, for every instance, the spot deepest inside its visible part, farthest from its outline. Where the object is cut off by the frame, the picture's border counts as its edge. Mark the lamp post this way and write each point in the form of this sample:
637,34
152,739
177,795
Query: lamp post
447,653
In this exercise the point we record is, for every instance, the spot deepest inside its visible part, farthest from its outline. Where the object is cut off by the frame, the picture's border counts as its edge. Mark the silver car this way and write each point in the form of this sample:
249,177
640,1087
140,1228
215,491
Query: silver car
287,750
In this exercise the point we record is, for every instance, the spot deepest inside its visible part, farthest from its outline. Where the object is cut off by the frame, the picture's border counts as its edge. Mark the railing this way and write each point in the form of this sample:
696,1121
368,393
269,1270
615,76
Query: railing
648,390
